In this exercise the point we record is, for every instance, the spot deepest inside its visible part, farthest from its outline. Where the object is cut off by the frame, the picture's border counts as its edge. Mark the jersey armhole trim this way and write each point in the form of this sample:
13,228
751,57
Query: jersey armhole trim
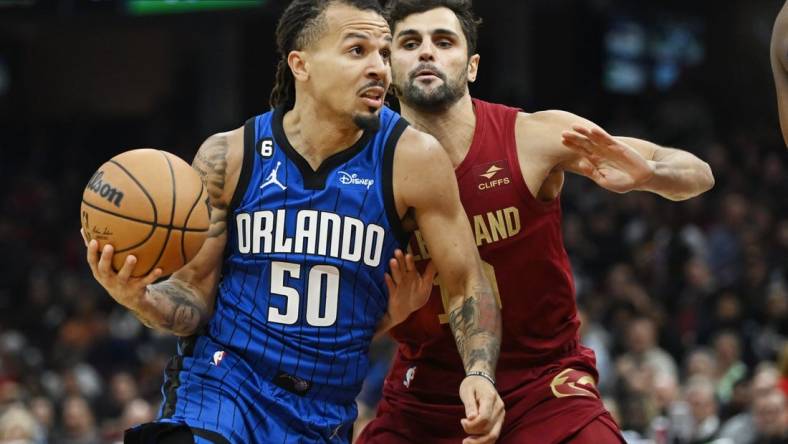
247,165
388,183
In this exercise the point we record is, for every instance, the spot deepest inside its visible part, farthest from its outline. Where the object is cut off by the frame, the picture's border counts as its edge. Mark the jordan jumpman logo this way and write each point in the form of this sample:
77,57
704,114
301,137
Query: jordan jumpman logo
272,178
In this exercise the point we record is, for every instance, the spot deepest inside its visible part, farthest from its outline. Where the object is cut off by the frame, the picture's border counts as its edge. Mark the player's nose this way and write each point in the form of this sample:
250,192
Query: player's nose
378,69
427,52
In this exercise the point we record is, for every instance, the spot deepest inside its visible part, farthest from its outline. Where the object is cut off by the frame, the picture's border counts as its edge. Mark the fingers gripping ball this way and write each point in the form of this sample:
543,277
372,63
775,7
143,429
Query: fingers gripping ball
148,203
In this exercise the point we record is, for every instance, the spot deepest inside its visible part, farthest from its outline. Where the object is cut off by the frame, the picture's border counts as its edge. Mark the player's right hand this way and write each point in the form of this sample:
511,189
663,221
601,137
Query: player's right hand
126,290
609,162
484,411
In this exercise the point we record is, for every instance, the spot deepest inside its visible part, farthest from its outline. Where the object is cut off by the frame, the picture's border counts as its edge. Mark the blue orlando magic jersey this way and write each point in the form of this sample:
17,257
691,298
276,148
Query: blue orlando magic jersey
301,293
303,289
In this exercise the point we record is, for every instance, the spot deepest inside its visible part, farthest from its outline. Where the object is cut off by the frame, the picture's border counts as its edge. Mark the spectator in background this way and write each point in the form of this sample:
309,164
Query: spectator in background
78,421
741,428
701,362
730,368
666,395
644,356
122,390
44,412
136,411
770,418
18,426
741,397
695,420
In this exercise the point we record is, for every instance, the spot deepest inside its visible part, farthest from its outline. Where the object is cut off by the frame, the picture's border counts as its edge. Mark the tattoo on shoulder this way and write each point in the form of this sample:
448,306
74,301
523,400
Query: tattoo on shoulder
211,163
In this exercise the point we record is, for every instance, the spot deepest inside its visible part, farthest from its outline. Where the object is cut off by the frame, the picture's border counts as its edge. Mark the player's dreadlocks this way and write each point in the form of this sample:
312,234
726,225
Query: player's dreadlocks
301,24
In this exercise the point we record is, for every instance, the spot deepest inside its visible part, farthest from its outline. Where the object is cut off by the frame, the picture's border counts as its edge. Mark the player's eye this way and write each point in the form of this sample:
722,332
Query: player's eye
410,45
386,54
357,50
444,44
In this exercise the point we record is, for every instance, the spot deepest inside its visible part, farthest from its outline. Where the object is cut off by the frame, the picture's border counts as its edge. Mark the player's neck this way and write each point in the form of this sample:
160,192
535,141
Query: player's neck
454,127
316,134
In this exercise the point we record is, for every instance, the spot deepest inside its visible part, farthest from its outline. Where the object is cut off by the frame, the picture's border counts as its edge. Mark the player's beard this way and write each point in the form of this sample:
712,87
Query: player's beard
440,98
367,121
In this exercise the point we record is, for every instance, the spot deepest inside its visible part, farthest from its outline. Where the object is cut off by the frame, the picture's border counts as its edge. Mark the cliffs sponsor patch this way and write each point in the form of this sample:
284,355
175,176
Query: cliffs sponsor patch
493,175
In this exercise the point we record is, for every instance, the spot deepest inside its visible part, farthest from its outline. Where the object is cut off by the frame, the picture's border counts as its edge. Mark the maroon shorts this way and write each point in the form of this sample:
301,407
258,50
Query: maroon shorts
556,403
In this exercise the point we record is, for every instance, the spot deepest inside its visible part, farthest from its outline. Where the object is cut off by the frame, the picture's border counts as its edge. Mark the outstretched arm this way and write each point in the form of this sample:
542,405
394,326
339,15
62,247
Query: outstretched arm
779,59
624,164
182,304
678,174
564,141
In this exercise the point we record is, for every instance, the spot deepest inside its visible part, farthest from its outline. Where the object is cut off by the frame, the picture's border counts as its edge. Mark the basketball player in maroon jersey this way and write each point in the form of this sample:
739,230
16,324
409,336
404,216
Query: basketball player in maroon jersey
510,167
779,58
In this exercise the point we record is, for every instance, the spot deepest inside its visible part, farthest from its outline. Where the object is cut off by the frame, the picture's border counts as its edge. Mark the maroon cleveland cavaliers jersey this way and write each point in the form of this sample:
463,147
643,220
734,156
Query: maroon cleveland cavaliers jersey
521,245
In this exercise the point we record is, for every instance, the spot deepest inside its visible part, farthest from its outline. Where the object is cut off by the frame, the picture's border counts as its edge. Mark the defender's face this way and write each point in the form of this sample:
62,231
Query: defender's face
348,66
429,62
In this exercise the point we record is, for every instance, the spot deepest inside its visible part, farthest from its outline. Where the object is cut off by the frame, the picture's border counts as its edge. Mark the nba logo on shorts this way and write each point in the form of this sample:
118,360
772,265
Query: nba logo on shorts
409,375
217,358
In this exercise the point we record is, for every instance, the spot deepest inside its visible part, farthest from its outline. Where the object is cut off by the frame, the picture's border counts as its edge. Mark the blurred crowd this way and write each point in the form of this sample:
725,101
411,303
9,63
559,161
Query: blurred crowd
685,304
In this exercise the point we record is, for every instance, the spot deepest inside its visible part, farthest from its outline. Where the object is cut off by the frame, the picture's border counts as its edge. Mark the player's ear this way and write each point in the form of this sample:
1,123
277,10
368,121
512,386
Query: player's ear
298,65
473,67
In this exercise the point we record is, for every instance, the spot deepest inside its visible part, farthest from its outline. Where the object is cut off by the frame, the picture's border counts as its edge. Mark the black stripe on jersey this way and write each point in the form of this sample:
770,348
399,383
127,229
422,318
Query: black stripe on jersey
210,436
166,433
388,183
314,180
173,374
247,165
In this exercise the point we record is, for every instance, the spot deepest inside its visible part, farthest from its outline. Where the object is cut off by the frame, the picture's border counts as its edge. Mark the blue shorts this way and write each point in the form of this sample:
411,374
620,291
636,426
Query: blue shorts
230,399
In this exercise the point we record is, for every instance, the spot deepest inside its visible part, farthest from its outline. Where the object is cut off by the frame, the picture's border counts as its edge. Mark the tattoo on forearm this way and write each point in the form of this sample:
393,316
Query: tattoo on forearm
211,164
476,326
173,308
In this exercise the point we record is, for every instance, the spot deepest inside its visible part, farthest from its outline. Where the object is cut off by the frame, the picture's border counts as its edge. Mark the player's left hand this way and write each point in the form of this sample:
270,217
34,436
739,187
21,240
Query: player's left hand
607,161
408,289
484,411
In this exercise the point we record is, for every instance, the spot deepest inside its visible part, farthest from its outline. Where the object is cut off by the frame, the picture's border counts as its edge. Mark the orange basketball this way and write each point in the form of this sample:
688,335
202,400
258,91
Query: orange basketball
148,203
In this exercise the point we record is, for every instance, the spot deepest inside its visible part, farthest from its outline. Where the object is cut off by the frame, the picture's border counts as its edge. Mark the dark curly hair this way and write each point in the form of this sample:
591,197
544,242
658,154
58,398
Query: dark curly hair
398,10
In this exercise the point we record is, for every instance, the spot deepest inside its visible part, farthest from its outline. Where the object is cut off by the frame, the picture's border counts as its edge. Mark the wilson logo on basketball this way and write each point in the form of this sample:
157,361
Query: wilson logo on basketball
104,189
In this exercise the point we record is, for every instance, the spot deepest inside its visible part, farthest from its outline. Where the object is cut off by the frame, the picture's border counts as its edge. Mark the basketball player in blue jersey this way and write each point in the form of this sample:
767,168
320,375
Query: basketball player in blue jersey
277,310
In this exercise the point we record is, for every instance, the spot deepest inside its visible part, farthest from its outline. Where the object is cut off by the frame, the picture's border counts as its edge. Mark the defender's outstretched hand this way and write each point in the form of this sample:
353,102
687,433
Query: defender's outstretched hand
408,289
607,161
